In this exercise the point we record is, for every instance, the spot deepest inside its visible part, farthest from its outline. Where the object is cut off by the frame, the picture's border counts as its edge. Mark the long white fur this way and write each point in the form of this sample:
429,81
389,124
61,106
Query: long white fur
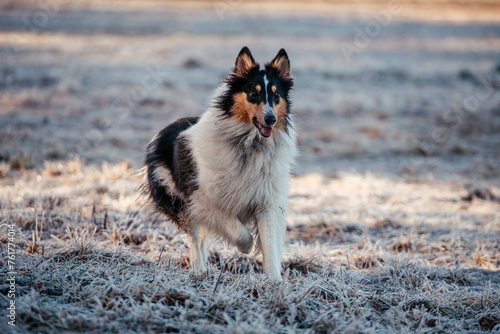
233,198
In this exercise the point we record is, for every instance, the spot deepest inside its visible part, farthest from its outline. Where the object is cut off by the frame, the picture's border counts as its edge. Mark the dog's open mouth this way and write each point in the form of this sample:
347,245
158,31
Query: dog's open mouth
265,131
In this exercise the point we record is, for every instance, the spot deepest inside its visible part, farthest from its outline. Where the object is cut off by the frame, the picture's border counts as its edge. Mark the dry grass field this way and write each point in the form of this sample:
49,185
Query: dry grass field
395,200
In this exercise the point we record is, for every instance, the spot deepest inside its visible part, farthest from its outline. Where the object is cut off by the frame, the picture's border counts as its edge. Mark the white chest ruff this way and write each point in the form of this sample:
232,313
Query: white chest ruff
238,170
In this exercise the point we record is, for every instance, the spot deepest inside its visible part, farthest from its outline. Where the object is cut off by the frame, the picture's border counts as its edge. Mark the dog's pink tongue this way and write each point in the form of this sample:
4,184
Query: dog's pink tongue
266,131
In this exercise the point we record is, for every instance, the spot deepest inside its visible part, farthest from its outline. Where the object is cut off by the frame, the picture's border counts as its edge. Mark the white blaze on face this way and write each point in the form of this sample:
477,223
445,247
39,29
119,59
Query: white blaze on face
268,108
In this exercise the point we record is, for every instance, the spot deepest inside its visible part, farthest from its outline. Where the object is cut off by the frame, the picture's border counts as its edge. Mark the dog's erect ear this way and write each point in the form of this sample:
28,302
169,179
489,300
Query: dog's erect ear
282,63
244,62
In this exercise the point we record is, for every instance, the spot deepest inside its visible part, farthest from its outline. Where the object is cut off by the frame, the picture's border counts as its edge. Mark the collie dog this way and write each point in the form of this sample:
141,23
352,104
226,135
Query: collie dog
226,174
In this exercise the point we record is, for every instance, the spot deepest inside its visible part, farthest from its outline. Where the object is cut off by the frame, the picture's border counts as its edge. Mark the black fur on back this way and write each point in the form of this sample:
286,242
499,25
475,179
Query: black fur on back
169,151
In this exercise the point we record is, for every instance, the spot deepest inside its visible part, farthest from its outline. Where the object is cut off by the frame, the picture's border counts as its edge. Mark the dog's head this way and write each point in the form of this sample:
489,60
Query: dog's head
258,96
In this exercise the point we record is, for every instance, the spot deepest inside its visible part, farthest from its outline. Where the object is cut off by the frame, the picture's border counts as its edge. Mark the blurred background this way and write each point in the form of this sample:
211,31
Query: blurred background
402,89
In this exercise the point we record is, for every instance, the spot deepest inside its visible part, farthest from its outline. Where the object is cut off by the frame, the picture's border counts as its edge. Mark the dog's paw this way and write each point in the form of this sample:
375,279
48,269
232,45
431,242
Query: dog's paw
273,275
245,243
198,268
196,264
275,279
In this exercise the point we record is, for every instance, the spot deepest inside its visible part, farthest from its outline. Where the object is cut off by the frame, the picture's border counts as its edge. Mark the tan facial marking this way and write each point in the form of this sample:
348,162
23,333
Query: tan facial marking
280,110
257,88
273,88
245,111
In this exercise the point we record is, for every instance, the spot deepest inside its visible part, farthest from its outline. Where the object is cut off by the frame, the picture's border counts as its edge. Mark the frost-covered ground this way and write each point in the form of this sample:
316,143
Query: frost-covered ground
395,203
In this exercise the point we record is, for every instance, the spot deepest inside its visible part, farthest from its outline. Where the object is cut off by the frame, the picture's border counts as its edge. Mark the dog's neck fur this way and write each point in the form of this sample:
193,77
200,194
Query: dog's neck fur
237,165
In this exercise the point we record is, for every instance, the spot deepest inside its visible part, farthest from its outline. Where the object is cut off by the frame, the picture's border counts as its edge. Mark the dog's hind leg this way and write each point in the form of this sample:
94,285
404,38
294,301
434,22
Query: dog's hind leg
205,238
196,258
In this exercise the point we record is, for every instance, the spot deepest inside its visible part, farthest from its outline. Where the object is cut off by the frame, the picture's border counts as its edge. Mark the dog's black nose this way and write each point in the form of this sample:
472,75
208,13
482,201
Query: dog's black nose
270,120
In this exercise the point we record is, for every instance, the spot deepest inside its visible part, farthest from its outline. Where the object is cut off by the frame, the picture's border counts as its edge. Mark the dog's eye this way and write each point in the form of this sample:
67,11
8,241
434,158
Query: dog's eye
276,94
254,93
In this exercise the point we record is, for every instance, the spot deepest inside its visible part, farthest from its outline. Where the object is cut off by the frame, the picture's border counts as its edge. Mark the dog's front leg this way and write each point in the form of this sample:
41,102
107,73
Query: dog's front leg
271,235
215,221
